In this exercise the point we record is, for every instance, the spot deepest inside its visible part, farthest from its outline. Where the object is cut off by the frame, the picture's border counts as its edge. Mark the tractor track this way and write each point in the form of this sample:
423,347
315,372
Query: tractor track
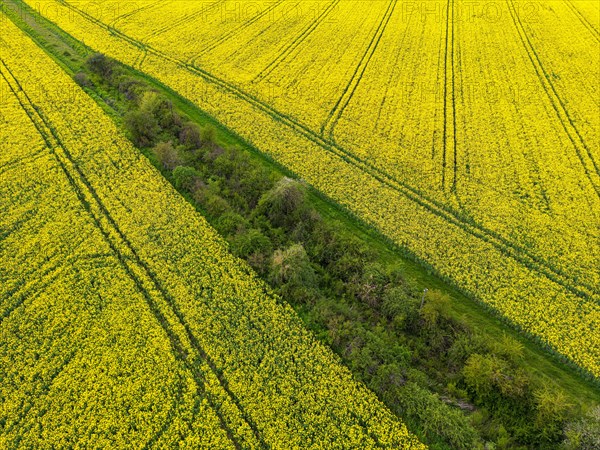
182,20
513,251
216,42
584,21
136,11
144,279
449,142
21,294
583,152
306,32
334,115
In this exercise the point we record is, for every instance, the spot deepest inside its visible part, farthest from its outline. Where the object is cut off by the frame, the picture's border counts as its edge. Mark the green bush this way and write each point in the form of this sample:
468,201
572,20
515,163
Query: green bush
190,136
291,270
230,223
284,204
435,417
185,177
100,65
166,155
209,134
248,242
131,88
399,308
143,127
491,378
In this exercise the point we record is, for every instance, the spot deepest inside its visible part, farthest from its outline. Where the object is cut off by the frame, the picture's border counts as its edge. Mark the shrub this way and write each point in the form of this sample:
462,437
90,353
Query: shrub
551,411
131,88
398,307
209,134
185,177
435,417
82,79
250,242
284,203
100,65
436,307
292,271
214,204
190,136
152,103
490,378
167,155
230,222
142,126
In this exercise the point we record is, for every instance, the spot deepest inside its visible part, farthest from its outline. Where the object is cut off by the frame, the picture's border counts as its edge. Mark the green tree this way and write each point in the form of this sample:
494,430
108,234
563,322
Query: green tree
284,204
166,155
185,177
143,127
190,136
292,271
100,65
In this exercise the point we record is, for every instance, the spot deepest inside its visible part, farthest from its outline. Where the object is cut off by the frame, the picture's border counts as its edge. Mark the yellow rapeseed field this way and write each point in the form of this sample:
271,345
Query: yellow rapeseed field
125,322
466,132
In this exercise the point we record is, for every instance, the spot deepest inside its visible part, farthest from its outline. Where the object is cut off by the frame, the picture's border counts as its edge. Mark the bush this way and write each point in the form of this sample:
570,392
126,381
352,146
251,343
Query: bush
82,79
251,183
551,411
464,345
436,307
131,88
190,136
185,177
100,65
143,127
435,417
509,348
284,204
342,254
292,271
492,378
214,204
230,223
250,242
209,134
399,308
152,103
166,155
